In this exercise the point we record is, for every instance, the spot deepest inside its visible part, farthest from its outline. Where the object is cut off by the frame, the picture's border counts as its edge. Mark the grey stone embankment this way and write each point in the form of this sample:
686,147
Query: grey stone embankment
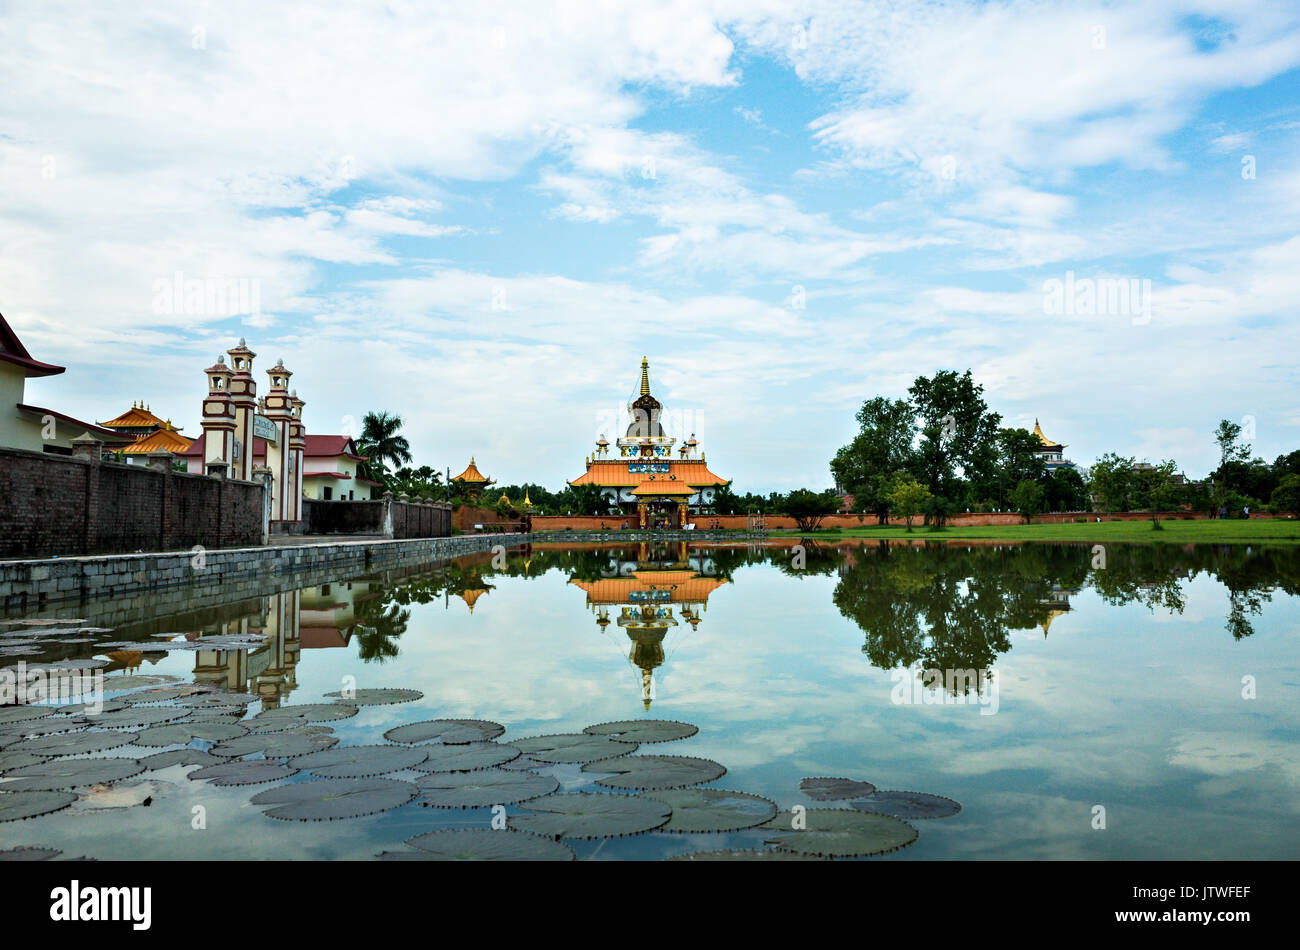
695,537
228,574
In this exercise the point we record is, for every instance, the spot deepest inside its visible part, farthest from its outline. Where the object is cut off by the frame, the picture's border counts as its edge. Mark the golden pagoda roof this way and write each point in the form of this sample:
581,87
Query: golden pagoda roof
1051,615
166,439
137,417
649,487
616,473
472,475
686,586
1038,431
471,597
645,376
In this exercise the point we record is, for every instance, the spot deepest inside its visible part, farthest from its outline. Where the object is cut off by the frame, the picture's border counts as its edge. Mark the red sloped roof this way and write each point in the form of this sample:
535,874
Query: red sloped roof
13,351
615,473
328,446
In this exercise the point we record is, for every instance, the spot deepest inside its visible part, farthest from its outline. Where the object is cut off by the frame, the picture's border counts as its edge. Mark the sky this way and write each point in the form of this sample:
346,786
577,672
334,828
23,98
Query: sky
481,217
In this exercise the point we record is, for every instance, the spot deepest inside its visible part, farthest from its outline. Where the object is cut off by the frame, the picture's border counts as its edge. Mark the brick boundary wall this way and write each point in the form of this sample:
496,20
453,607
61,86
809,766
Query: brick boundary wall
31,585
58,504
389,517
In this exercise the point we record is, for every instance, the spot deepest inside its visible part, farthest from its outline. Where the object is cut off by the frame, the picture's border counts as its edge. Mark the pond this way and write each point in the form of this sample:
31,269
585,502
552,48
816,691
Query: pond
1046,702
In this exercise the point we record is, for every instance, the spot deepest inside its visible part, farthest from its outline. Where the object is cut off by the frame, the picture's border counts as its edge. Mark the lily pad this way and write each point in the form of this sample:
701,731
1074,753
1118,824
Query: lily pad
482,788
10,759
121,795
250,772
480,844
182,733
16,805
330,798
137,680
94,709
643,730
909,805
277,745
136,717
656,771
713,809
69,773
165,760
839,833
360,761
572,747
217,698
751,854
377,697
10,714
834,789
74,743
448,731
164,694
49,726
587,815
30,854
523,763
466,757
308,712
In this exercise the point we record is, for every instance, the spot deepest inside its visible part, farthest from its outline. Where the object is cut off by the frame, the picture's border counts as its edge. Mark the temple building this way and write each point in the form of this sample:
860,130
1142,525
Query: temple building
662,589
473,480
35,428
147,433
642,478
1051,452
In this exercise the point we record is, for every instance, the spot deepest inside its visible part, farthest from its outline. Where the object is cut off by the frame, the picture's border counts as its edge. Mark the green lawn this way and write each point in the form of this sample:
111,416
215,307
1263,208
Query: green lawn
1175,532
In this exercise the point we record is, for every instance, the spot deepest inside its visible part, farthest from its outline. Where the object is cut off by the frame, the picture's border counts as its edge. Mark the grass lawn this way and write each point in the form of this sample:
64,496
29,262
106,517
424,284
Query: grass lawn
1175,532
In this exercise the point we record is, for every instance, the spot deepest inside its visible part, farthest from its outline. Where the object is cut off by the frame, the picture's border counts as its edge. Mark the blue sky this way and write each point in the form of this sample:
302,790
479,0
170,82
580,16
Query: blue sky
481,219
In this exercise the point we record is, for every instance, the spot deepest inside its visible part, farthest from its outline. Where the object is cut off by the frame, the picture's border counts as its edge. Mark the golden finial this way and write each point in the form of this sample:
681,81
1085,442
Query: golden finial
645,376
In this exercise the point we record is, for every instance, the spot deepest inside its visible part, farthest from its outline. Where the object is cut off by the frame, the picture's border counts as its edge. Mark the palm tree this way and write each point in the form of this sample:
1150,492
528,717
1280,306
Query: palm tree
381,443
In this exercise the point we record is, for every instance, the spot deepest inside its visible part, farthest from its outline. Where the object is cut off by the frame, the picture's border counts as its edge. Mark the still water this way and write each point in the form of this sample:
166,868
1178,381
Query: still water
1134,703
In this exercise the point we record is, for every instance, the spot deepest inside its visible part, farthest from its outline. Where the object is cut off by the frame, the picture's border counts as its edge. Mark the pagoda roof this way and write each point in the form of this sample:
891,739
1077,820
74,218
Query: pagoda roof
13,351
1038,431
615,473
649,487
166,439
137,417
472,475
685,586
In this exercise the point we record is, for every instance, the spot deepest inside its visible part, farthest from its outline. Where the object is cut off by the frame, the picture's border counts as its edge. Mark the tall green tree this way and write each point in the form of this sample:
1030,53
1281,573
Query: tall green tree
808,508
1111,480
958,433
1156,488
865,467
1232,449
1027,498
907,498
383,444
1018,460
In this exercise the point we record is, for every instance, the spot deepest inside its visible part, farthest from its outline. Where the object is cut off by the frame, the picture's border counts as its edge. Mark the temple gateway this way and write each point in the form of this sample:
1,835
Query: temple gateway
644,480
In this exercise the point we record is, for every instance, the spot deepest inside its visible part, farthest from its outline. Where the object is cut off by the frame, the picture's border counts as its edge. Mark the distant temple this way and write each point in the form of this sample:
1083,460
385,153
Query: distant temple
150,433
1051,452
473,480
644,480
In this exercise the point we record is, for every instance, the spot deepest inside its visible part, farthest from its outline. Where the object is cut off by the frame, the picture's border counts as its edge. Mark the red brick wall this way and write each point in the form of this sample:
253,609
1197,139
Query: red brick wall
54,504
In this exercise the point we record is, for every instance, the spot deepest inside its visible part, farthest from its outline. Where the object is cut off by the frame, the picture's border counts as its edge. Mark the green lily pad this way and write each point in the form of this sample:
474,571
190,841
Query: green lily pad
54,774
165,760
30,854
218,698
308,712
73,743
839,833
656,771
10,759
644,730
164,694
587,815
909,805
330,798
89,708
713,809
377,697
572,747
466,757
480,844
360,761
17,805
10,714
247,772
448,731
483,788
276,745
49,726
136,717
136,680
181,733
751,854
834,789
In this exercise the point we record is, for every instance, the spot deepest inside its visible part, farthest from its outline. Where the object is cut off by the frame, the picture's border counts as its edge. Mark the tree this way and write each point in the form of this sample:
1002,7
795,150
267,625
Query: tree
937,511
588,499
865,467
726,501
1286,497
1155,488
1065,490
958,432
1018,460
1112,482
1027,498
906,497
808,508
382,444
1232,448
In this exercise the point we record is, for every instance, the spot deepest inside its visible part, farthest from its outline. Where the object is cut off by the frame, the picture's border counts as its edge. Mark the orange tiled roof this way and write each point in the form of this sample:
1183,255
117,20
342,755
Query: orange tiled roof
137,417
686,586
471,474
663,487
614,473
163,440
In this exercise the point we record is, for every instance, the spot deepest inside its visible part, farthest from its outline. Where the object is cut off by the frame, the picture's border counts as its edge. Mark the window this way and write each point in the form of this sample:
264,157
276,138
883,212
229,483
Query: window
328,492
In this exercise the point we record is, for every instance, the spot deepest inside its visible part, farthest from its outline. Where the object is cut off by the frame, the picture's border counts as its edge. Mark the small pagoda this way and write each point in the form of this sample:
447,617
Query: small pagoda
1052,453
473,480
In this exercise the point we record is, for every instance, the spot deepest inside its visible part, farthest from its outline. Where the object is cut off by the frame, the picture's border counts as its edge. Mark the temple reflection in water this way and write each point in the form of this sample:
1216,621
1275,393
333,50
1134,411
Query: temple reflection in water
662,587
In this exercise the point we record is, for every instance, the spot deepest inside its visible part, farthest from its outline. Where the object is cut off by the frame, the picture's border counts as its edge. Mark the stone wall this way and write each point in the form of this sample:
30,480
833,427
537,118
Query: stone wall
388,517
58,504
32,585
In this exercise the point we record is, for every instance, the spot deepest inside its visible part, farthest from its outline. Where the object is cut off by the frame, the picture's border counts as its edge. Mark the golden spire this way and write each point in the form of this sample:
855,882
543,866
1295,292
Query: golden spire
645,376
